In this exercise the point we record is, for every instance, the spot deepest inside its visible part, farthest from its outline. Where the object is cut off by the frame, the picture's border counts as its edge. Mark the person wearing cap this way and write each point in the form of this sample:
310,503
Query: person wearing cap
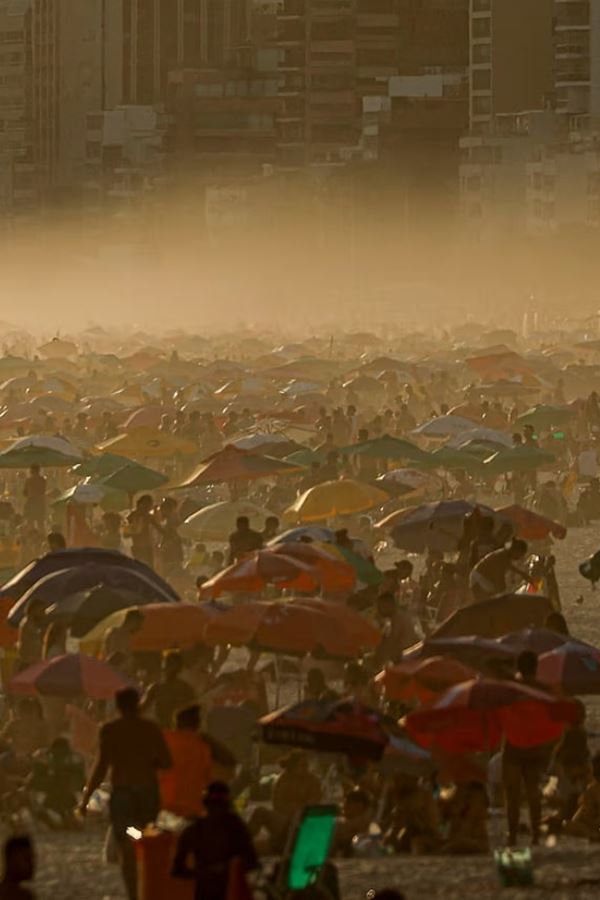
207,848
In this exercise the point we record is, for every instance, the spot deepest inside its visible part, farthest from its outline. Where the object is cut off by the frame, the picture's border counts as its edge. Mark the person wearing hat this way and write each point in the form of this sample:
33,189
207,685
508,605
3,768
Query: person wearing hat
211,844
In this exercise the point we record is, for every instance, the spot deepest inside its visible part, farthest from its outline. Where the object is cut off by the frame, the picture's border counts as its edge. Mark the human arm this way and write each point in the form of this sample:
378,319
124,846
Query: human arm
183,852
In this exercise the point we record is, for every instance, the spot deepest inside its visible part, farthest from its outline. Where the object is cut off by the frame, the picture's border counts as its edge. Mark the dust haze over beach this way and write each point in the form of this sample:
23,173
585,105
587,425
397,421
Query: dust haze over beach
292,273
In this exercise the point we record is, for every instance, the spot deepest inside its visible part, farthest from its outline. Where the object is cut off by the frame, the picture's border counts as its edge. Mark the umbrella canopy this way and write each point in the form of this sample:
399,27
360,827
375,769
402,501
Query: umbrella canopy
232,464
410,480
56,588
305,533
366,635
545,417
530,525
444,426
165,626
290,628
102,465
481,435
571,668
422,680
69,559
148,444
82,494
133,478
253,573
334,573
518,459
475,652
386,447
71,677
217,522
305,458
438,526
333,499
49,452
539,640
496,617
475,716
341,726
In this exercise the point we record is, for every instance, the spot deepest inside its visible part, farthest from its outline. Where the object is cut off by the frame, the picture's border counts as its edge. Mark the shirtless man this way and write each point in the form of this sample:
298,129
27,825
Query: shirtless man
488,577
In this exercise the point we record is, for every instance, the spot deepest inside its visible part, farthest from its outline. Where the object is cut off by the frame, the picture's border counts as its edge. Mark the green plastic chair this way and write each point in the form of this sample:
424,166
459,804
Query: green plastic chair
304,860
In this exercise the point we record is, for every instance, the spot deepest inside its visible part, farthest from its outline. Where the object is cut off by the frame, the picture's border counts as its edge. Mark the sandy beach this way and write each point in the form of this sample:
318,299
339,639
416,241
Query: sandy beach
71,866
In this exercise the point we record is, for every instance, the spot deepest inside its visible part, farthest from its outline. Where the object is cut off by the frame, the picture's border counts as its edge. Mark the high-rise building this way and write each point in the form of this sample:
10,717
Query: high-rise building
320,115
511,58
577,61
19,189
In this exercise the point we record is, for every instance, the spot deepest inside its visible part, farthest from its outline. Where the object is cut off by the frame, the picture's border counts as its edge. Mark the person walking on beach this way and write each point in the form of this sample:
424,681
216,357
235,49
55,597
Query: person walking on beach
134,750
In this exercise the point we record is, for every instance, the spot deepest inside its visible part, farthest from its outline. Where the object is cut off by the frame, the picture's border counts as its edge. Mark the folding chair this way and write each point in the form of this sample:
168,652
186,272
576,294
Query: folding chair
304,865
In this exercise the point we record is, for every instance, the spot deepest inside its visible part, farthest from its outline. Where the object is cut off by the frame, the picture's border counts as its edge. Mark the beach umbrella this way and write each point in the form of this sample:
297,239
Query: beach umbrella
289,628
506,387
58,348
133,478
544,416
518,459
367,573
72,676
82,494
231,465
323,726
476,715
473,651
49,452
363,631
17,586
304,533
496,617
268,443
305,457
444,426
334,573
333,499
530,525
148,444
421,680
481,435
57,587
438,525
102,465
165,626
538,640
571,668
386,447
253,573
147,417
217,521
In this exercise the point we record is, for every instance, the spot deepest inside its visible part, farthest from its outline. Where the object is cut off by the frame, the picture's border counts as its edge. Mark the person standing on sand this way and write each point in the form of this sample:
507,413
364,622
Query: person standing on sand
134,750
213,843
19,866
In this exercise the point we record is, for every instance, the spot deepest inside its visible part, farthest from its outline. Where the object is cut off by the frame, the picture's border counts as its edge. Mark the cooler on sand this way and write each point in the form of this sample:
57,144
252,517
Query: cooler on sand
154,854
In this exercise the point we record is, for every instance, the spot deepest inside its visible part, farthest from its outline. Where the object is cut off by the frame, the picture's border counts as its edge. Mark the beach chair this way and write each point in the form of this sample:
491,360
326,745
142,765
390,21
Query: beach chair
304,868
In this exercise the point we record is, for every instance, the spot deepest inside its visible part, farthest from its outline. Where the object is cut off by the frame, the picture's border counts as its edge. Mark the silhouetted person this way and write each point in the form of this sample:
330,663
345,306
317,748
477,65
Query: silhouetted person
19,866
212,843
133,750
34,491
243,540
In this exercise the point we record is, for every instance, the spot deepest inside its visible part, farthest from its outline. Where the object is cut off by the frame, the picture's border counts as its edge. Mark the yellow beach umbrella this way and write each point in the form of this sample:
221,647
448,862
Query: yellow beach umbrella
217,521
336,498
148,444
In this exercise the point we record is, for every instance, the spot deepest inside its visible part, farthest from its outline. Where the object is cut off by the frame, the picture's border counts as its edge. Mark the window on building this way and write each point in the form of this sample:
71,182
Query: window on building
482,79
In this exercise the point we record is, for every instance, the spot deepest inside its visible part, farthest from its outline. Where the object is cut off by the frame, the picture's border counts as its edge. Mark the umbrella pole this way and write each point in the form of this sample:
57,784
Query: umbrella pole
277,682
